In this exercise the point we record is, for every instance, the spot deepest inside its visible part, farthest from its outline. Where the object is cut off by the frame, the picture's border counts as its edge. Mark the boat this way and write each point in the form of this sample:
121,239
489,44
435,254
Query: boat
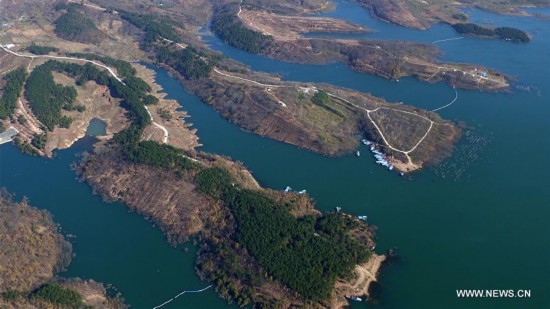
364,218
366,142
355,298
358,153
302,192
288,189
338,209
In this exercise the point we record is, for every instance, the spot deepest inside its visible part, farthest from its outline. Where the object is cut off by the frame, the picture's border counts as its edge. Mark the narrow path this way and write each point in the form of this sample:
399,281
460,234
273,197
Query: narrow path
268,90
369,111
111,71
445,40
165,138
244,79
171,299
447,105
64,58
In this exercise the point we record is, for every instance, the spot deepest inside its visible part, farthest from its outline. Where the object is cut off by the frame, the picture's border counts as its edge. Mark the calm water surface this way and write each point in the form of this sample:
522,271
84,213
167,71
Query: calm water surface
477,221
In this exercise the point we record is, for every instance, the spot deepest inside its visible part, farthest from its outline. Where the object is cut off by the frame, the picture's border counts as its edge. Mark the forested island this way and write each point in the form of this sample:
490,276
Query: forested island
503,33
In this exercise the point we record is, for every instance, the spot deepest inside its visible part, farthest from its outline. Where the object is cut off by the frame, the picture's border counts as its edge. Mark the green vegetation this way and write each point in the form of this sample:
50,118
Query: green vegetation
21,120
154,154
150,99
505,33
155,28
322,98
229,28
75,26
59,295
123,68
138,85
188,62
11,295
46,98
41,50
24,147
513,34
164,114
14,84
307,254
39,141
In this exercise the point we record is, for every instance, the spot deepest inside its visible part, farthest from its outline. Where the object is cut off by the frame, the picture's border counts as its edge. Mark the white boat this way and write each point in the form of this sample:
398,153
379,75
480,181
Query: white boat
364,218
288,189
355,298
358,153
302,192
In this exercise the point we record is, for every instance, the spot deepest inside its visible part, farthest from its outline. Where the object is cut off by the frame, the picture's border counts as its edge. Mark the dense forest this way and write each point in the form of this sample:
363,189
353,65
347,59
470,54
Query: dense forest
505,33
46,98
230,29
188,62
154,27
59,295
41,49
14,85
307,254
73,25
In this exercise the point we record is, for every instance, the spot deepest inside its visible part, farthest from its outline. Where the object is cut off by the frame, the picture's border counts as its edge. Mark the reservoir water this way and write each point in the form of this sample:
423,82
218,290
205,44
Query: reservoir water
477,221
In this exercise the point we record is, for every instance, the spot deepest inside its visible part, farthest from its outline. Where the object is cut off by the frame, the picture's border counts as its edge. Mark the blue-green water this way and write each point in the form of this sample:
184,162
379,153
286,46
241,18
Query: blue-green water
478,221
97,127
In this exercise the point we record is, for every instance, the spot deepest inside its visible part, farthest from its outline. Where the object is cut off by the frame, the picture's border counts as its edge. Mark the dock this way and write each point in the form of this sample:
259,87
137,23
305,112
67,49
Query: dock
7,136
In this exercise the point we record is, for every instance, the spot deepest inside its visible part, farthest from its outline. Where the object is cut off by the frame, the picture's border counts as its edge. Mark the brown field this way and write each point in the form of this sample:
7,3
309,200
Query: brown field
291,27
180,135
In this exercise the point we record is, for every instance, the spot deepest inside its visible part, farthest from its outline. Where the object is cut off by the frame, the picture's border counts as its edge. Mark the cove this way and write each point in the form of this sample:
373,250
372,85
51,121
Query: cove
111,245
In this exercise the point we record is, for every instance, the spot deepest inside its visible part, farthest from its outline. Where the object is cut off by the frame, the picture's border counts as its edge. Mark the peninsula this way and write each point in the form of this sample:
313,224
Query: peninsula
33,251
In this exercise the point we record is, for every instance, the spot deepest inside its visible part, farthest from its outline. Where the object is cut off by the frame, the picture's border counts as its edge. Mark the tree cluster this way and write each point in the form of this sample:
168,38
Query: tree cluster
59,295
154,28
307,254
508,33
188,62
75,26
46,98
230,29
41,49
14,85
